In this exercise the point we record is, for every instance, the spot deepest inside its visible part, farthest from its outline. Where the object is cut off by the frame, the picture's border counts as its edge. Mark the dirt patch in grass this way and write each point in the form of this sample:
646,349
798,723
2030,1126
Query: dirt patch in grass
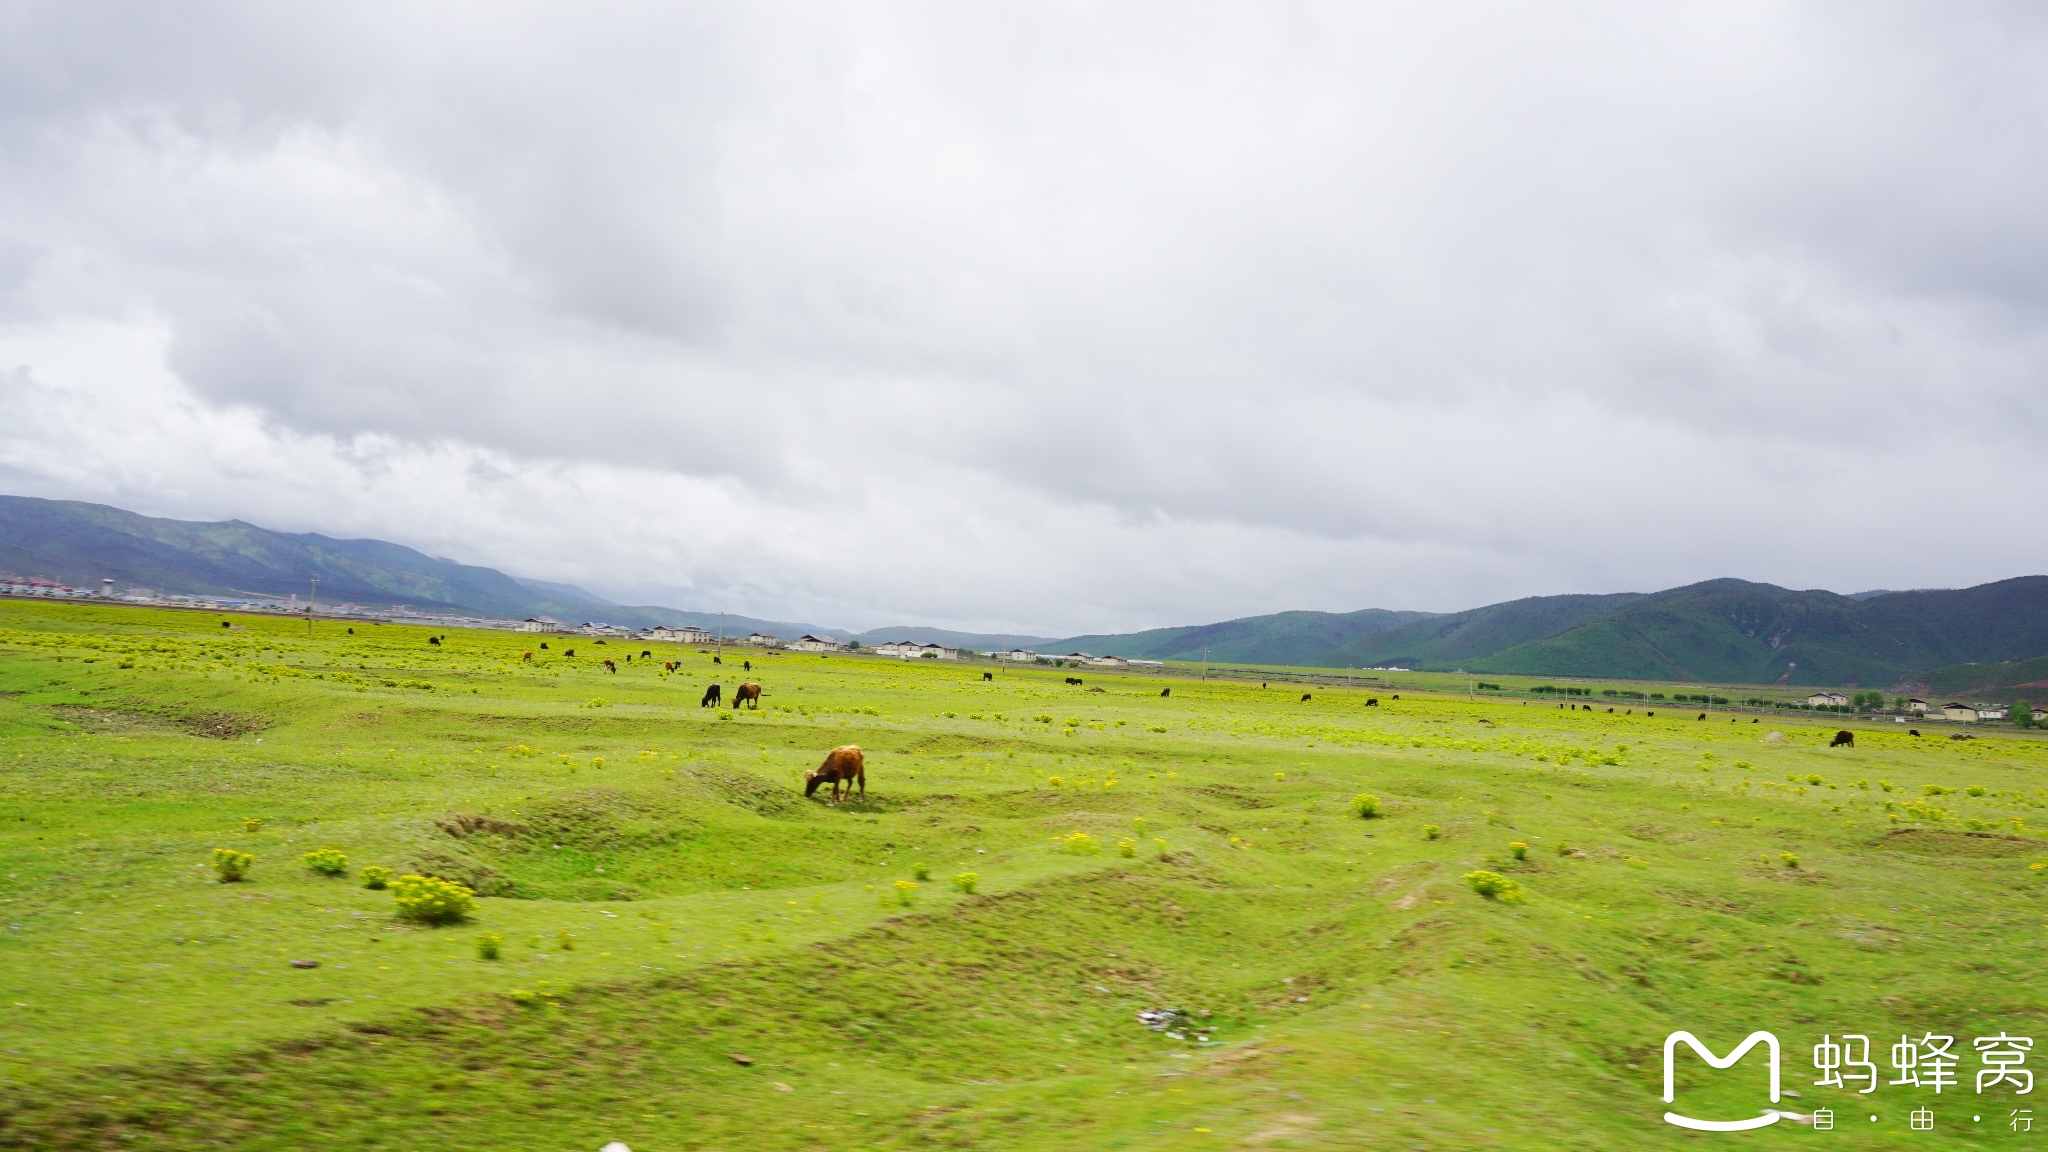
106,721
1942,842
1234,797
213,725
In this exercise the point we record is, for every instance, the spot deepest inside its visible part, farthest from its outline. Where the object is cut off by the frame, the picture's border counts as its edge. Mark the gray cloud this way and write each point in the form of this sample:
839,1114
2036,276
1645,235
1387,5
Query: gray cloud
1056,318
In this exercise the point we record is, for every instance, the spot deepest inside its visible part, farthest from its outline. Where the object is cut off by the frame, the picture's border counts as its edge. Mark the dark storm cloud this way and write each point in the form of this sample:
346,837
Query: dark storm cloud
872,310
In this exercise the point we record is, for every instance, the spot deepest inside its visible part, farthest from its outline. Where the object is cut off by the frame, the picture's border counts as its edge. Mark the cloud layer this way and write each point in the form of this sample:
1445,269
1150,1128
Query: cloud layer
1055,319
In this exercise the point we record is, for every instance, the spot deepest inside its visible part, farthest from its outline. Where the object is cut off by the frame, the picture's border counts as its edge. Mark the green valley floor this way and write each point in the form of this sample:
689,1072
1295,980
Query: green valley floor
691,954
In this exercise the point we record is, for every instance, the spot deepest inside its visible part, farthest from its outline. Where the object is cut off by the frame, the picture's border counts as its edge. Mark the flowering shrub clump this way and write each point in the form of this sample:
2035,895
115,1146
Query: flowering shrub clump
231,865
1080,844
921,871
251,824
966,882
432,900
906,892
1365,805
326,861
1494,886
1791,861
375,877
488,945
1164,851
1518,850
1431,831
1125,846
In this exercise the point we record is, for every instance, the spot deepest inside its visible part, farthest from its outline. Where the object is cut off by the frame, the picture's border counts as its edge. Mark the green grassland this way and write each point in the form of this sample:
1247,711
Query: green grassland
1343,985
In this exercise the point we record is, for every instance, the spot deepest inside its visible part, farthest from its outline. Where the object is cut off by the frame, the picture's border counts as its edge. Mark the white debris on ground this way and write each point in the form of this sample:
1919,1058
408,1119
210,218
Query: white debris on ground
1158,1019
615,1146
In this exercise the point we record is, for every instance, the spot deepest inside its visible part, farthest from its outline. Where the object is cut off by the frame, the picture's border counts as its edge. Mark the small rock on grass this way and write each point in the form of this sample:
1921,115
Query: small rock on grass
305,963
742,1061
615,1146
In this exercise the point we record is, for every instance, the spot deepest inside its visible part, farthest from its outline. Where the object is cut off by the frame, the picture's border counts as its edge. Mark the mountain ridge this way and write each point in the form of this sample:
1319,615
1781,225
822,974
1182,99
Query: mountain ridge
1725,630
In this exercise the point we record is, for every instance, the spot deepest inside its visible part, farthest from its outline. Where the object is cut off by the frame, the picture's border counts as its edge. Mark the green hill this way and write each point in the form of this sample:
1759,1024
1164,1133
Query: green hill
81,544
2001,683
1723,631
1311,638
1734,631
1449,641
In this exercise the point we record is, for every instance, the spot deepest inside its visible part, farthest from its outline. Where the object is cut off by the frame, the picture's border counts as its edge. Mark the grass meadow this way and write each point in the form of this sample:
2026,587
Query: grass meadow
691,955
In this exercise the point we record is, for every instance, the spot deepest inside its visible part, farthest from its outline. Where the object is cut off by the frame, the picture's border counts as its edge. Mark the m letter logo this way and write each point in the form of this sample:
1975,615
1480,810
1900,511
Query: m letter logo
1671,1044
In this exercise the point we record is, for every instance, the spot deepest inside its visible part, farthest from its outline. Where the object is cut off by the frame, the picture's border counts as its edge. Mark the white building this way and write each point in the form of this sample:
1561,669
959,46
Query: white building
1020,655
762,640
1828,700
1992,713
683,635
1108,662
599,628
1919,706
540,624
1963,712
912,650
810,643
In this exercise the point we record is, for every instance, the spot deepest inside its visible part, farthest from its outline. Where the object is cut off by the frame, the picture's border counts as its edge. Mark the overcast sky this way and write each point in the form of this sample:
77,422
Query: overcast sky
1052,317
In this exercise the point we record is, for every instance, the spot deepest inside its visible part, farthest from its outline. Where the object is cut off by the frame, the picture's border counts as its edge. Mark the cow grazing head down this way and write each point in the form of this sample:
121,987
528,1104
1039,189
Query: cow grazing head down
1842,738
843,765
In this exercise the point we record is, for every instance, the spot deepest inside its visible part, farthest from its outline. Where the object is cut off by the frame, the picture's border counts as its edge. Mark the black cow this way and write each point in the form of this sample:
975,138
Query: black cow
1166,691
570,652
1304,697
434,640
988,675
1073,679
712,696
1372,702
644,653
543,645
1843,737
1912,731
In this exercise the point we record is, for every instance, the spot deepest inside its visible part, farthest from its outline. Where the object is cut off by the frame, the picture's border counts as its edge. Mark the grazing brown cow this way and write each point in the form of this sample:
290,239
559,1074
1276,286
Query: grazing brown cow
748,694
711,696
1843,737
528,657
1304,697
843,765
1166,691
611,667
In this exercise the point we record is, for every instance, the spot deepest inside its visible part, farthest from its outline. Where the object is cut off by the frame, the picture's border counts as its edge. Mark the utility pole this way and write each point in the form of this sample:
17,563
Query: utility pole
311,597
1205,665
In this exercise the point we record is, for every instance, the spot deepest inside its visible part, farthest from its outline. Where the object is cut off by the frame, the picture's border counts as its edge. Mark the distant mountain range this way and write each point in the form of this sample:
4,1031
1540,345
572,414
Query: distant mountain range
81,544
1726,631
